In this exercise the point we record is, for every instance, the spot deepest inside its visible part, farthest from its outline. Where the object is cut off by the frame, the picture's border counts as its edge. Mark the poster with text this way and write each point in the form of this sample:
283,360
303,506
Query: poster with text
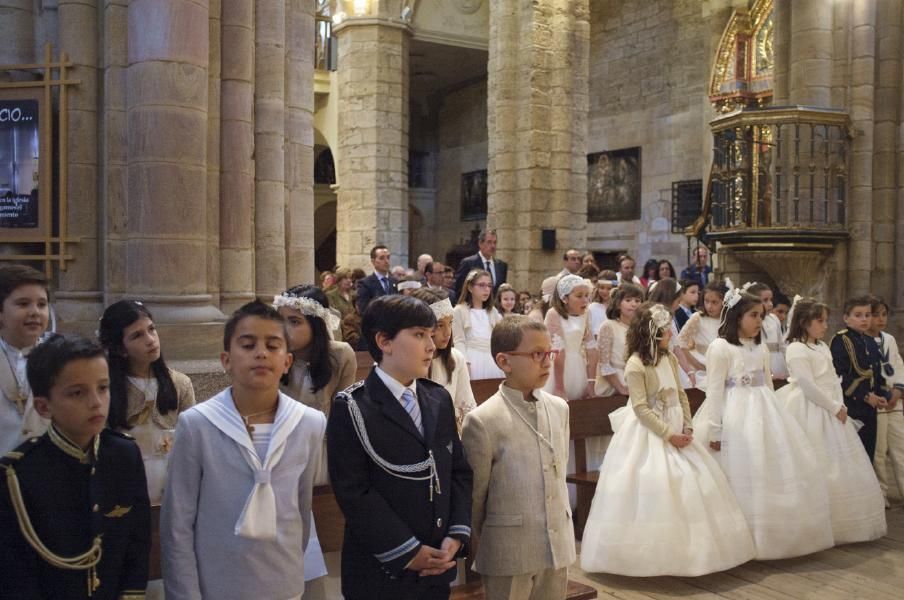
19,154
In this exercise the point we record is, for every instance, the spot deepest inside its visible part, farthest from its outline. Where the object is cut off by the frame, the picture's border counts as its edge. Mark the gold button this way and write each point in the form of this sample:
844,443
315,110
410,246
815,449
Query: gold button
95,508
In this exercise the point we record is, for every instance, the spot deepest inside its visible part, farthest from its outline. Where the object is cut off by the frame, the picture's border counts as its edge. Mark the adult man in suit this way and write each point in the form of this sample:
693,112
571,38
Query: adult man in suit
699,271
397,466
571,264
484,259
378,283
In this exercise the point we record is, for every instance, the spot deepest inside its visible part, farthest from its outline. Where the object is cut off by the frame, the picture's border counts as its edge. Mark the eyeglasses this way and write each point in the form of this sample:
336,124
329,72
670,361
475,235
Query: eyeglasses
538,356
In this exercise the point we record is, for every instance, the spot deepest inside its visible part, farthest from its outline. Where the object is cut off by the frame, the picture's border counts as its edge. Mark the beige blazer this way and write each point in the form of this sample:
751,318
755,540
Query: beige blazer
643,385
520,510
344,367
140,411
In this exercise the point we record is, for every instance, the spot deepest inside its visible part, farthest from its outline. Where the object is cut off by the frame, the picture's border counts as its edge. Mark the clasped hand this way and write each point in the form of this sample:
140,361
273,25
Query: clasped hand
435,561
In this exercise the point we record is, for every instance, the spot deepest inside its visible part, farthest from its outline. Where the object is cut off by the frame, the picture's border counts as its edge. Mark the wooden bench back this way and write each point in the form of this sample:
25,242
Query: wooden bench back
484,388
365,364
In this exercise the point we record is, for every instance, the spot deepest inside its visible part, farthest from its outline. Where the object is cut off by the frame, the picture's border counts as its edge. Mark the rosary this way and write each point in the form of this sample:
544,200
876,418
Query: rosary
552,449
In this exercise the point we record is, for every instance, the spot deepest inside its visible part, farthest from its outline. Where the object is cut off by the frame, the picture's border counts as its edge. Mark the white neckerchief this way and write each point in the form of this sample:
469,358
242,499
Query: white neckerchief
258,517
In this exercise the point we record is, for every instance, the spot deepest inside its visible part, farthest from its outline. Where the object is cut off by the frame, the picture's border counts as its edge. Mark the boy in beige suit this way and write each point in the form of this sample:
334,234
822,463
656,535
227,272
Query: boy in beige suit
517,445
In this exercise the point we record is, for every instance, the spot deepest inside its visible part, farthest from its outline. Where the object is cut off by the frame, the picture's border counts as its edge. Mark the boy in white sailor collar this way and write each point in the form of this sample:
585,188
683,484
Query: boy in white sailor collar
74,510
236,513
397,466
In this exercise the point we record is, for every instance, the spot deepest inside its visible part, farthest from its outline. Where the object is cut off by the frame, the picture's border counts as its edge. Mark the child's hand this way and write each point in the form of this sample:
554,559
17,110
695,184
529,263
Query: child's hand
693,377
873,400
590,391
688,432
680,440
430,561
893,401
717,446
621,389
842,415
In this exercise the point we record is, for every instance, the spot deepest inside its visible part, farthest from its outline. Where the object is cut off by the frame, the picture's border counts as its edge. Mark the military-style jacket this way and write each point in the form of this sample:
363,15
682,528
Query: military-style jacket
388,517
77,503
858,362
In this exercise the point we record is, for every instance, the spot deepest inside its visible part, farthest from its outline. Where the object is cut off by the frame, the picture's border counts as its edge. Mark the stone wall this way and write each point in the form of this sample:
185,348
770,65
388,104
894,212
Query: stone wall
462,148
648,72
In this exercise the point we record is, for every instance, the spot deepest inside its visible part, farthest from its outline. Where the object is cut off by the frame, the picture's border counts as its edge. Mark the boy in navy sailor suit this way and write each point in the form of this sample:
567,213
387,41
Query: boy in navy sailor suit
858,362
396,464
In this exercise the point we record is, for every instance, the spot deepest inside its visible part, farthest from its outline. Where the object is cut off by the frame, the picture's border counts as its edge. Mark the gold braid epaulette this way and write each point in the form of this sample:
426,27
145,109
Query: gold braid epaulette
864,374
83,562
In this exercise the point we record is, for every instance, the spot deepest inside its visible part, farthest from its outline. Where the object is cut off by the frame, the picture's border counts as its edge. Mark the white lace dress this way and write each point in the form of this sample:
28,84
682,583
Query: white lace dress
598,316
660,510
573,339
612,341
471,331
813,396
765,454
775,343
697,334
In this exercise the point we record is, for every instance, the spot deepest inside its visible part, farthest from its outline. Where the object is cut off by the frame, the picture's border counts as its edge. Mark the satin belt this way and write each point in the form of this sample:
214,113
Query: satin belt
747,380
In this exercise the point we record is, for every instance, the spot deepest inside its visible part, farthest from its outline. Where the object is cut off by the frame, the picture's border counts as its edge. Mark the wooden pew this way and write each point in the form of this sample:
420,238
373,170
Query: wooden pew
365,364
484,388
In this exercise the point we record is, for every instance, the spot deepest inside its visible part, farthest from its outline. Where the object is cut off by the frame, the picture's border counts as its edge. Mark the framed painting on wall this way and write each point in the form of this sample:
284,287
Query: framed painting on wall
474,195
613,185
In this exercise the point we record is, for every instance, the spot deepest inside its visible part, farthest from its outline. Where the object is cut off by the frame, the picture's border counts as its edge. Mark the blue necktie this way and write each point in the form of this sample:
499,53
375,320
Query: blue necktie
385,283
409,403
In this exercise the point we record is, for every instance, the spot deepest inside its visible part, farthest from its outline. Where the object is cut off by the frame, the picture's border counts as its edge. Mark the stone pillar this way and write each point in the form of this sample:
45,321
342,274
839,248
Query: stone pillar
236,155
537,115
269,144
167,78
372,177
114,150
17,32
215,24
811,52
299,174
781,36
79,297
862,95
885,132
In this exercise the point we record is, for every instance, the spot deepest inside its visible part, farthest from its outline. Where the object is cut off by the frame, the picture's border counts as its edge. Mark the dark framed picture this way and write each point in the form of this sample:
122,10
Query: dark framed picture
613,185
20,167
474,195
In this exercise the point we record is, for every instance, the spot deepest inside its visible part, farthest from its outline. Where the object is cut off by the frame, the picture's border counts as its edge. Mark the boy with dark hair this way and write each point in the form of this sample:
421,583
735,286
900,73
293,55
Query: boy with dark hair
397,466
24,312
74,510
858,362
237,505
517,445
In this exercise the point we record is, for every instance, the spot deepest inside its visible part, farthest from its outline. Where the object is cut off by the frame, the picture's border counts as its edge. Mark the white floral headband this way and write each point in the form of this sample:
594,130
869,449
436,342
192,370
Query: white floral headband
308,307
442,309
660,318
567,283
408,285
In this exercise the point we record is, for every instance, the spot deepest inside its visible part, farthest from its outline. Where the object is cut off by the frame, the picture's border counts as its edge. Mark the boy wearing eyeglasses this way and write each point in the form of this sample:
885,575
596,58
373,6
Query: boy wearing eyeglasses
517,445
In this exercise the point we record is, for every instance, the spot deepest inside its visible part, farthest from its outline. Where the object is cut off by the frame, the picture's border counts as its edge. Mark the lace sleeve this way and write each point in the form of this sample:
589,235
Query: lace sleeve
688,333
554,326
604,343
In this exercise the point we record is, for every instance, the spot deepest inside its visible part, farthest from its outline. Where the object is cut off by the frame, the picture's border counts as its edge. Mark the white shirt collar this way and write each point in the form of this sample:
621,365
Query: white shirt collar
483,258
394,385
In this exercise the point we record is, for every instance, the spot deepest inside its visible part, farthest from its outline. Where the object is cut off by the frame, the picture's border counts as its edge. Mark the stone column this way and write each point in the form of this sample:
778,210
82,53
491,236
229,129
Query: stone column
236,155
17,32
114,150
811,52
885,132
299,174
372,177
781,36
167,78
79,297
215,25
538,101
862,96
269,144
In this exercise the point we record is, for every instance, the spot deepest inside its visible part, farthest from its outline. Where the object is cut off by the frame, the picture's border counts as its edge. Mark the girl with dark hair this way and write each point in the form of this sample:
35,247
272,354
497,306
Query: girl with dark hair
321,366
574,369
763,451
814,397
612,339
473,322
691,523
701,330
650,273
449,367
146,396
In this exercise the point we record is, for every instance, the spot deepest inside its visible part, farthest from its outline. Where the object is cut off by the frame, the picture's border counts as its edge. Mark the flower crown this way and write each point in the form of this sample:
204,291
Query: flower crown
308,307
660,318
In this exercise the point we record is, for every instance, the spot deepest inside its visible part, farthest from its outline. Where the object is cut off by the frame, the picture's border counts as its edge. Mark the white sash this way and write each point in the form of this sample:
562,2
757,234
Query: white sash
258,517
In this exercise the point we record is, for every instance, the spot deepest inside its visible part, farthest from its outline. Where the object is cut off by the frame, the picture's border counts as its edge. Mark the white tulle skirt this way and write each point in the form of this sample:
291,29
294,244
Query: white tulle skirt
856,504
659,510
773,471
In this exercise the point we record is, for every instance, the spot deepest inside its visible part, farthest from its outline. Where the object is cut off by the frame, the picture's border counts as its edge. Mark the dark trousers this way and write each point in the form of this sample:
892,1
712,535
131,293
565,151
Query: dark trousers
867,433
436,592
